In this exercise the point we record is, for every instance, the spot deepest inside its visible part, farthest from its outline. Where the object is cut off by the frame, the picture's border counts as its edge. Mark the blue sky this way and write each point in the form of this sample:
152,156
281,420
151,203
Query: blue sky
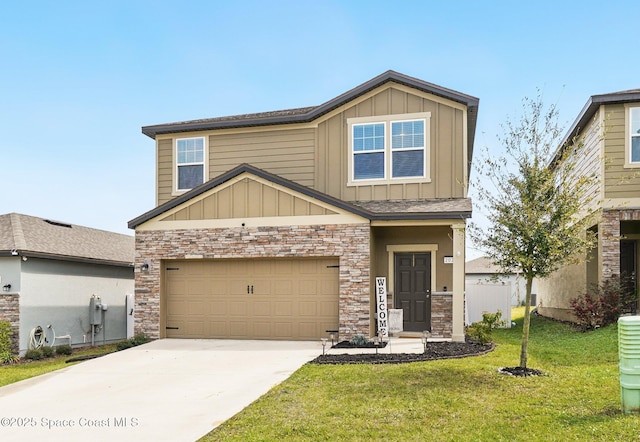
78,79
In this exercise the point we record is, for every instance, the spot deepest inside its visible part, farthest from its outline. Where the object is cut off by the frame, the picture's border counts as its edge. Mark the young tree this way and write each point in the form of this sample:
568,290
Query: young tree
533,201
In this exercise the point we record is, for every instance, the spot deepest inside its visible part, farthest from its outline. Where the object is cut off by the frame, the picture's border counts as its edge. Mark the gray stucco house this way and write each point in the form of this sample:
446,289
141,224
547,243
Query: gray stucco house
49,270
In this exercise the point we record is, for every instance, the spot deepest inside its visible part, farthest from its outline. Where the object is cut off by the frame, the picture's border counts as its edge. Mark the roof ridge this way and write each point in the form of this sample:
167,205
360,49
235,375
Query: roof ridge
19,240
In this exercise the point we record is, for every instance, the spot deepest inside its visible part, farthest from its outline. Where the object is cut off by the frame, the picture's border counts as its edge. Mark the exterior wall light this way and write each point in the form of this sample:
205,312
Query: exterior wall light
6,287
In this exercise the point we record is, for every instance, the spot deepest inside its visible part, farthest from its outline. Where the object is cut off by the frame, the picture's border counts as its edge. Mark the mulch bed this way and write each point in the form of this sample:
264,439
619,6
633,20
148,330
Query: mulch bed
435,351
520,371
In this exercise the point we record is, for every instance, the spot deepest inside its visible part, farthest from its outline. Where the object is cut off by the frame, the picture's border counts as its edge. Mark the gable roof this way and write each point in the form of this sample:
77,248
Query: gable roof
593,104
38,237
459,208
308,114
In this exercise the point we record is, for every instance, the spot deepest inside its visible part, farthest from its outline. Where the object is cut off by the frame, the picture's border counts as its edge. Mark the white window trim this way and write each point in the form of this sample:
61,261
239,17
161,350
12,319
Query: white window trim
627,136
205,163
387,120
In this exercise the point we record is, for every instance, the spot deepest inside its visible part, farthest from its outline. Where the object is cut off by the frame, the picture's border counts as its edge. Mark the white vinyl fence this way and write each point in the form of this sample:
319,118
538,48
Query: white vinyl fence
487,297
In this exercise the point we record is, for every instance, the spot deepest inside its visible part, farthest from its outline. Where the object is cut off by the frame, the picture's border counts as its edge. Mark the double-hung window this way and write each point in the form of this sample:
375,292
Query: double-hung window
189,163
389,149
634,135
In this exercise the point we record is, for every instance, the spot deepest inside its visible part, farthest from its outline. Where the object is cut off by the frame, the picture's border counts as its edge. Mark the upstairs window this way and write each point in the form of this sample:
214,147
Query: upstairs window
393,149
189,163
368,151
407,149
634,135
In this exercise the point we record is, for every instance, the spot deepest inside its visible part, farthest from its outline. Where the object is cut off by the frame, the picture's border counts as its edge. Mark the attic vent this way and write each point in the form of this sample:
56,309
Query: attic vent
57,223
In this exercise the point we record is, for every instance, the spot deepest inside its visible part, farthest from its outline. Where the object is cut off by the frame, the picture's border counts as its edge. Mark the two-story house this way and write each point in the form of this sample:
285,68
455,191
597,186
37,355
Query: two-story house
275,225
609,126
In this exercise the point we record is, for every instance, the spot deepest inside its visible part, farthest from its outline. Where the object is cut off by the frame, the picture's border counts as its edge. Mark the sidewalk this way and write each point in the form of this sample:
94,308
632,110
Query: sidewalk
394,345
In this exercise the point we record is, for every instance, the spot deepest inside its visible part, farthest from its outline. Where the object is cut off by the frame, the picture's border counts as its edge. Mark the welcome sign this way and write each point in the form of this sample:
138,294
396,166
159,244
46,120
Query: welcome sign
381,306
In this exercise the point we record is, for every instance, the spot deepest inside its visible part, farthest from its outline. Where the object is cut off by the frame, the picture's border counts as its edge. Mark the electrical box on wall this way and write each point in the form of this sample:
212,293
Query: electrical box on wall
95,310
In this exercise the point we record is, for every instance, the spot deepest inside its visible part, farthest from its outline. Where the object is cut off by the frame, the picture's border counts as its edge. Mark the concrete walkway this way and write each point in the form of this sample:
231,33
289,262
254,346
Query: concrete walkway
167,390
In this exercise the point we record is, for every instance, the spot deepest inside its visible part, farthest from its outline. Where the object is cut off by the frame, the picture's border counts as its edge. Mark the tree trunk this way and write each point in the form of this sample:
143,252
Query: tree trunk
526,324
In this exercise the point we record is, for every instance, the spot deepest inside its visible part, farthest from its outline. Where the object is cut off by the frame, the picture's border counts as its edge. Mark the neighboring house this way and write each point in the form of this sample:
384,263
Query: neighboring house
275,225
49,270
481,271
610,127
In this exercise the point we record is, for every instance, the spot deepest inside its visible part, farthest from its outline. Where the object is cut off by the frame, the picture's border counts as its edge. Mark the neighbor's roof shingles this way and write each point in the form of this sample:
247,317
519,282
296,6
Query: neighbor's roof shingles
33,236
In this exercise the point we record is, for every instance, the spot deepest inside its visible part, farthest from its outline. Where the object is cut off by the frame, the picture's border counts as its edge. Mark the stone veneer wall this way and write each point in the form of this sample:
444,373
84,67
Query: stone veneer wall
442,314
10,311
349,242
609,230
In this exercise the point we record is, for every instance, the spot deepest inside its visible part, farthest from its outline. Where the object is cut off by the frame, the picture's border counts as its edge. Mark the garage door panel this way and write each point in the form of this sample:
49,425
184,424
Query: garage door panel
308,287
285,288
308,308
291,299
198,307
238,329
218,328
283,330
283,308
238,308
262,328
238,287
261,308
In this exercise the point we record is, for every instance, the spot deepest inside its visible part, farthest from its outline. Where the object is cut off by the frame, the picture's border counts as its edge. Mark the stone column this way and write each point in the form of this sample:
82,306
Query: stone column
609,233
458,281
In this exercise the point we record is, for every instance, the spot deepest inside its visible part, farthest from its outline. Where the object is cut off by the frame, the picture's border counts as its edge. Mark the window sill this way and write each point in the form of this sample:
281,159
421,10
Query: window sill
386,182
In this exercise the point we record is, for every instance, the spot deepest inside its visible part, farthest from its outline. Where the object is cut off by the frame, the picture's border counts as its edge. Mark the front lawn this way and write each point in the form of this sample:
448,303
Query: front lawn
25,369
454,400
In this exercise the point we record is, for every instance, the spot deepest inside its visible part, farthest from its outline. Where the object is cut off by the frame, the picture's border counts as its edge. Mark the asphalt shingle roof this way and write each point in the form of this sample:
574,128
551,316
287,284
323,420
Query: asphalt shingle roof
30,235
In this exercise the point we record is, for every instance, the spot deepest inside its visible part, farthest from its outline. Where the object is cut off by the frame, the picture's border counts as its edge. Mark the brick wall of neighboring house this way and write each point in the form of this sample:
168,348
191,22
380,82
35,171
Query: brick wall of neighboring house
441,315
10,311
350,243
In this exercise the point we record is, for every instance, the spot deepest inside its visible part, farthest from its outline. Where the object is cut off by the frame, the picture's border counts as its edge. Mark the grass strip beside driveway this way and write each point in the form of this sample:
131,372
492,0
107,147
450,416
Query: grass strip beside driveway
25,370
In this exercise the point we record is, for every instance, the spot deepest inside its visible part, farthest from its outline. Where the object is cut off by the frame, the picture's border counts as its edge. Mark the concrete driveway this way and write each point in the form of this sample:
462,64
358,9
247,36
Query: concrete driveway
167,390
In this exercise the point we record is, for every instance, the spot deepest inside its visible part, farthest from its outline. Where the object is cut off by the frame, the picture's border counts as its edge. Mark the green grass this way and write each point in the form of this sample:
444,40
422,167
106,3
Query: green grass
25,370
454,400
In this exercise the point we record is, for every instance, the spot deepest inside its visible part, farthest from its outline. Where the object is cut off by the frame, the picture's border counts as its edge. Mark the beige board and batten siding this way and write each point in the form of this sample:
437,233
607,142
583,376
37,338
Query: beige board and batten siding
447,146
165,170
251,298
247,197
620,182
316,154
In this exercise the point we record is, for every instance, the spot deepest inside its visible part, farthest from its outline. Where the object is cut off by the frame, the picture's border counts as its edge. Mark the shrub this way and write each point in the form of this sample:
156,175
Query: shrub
5,337
138,339
604,303
47,352
359,340
123,345
64,349
34,354
7,357
482,331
